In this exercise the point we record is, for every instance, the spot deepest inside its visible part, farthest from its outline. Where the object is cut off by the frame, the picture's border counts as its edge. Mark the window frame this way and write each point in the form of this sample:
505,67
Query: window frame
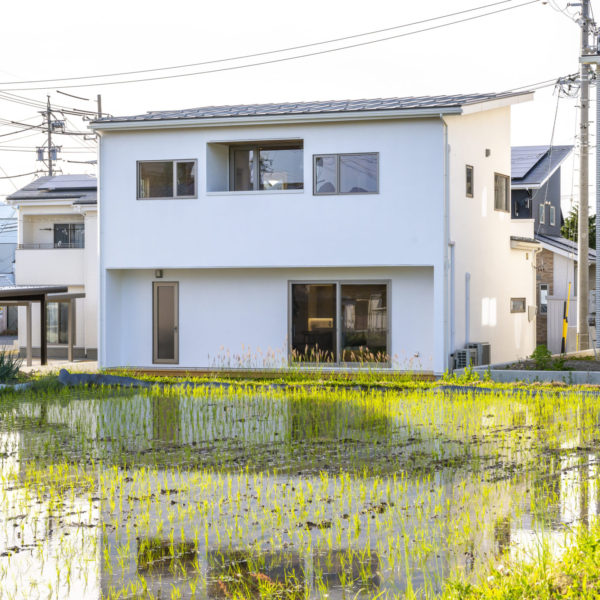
256,147
552,215
542,213
543,287
70,227
507,199
174,161
338,283
339,175
518,299
471,193
59,321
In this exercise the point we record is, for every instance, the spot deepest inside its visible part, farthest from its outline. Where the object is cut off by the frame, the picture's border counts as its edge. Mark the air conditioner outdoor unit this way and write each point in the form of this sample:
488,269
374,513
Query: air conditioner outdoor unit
484,352
465,358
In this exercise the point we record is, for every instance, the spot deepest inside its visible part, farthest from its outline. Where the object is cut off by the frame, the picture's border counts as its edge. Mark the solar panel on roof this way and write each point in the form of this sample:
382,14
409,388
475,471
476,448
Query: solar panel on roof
523,161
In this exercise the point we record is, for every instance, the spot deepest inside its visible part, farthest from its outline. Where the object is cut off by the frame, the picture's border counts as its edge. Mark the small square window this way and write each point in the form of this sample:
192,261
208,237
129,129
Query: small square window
346,174
469,181
518,305
166,179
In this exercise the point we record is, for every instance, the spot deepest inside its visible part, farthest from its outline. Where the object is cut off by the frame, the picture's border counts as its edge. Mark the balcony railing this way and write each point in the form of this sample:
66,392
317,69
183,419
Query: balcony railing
50,246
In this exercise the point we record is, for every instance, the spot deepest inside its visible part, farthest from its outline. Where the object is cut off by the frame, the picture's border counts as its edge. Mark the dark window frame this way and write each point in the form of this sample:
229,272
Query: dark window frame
174,161
506,178
339,176
338,283
70,227
256,147
469,185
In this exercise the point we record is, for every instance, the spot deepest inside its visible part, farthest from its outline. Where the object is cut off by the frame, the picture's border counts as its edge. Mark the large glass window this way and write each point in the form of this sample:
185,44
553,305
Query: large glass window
167,179
313,322
269,167
346,173
69,235
339,322
57,322
364,323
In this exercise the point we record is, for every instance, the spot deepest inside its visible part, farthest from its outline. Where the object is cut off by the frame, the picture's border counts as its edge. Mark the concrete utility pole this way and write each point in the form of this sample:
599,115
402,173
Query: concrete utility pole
583,339
49,124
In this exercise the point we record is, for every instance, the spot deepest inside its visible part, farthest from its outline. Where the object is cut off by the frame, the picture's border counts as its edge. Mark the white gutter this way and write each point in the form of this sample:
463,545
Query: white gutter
448,301
275,119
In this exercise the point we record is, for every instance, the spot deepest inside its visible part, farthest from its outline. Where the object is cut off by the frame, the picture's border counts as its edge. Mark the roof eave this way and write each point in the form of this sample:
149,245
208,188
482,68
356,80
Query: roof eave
276,119
495,103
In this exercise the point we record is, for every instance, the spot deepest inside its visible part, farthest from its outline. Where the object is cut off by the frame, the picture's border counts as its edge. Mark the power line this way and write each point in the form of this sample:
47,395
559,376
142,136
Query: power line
255,54
286,58
20,175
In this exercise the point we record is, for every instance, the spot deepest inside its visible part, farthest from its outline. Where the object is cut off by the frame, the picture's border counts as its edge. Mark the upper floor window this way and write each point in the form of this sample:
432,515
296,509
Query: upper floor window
542,213
346,173
501,192
166,179
553,215
469,181
69,235
277,166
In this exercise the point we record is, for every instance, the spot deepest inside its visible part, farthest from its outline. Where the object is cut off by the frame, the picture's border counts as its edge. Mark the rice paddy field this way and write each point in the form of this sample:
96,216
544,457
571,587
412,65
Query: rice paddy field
248,491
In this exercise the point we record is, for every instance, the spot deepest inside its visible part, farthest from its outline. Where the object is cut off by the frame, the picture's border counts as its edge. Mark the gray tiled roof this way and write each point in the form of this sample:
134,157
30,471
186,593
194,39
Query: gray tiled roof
81,188
561,243
321,106
531,166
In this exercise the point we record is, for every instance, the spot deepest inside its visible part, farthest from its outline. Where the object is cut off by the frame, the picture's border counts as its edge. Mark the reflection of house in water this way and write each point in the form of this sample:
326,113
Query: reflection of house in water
38,546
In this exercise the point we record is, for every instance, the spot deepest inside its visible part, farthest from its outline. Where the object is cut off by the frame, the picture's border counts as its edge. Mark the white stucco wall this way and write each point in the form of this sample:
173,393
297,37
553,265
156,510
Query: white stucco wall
401,226
239,317
482,240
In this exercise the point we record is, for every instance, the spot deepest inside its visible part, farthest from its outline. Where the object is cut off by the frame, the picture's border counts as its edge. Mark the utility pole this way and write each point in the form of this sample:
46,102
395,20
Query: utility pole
49,124
583,341
99,102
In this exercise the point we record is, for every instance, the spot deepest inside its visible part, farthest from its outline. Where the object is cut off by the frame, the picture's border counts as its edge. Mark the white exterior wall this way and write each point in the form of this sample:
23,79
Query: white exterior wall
482,240
76,268
239,317
268,238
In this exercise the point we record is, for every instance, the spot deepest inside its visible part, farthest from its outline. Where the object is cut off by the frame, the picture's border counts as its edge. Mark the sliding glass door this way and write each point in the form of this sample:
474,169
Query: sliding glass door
339,322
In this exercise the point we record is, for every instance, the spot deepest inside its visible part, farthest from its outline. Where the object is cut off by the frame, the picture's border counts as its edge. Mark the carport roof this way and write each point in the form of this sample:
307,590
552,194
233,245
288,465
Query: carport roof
23,292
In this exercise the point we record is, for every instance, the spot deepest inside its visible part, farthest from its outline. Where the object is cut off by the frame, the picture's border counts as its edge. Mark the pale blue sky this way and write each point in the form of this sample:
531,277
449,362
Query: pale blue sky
72,38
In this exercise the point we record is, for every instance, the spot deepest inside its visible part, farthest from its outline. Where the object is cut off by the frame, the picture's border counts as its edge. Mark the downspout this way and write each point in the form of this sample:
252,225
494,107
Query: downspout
452,297
448,264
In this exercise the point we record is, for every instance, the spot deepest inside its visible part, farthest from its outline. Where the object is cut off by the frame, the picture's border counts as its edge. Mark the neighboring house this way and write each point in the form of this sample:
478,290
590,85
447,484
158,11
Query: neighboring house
8,245
58,246
536,194
341,232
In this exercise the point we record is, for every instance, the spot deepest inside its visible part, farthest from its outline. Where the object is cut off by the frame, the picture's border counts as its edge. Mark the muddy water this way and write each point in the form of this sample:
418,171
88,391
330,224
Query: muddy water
284,495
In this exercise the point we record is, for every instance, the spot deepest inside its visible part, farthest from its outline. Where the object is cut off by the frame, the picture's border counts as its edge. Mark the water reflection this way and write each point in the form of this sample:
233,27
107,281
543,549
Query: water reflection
169,522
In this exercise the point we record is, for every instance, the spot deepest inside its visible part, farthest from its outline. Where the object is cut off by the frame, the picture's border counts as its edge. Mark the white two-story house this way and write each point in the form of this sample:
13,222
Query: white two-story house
58,245
341,233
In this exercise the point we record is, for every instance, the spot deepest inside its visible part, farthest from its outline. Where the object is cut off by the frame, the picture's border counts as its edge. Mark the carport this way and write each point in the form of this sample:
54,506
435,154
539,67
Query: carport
26,295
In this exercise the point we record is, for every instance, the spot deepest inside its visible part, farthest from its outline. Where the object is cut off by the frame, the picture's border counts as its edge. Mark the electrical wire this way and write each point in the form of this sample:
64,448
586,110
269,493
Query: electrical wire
256,54
20,175
282,59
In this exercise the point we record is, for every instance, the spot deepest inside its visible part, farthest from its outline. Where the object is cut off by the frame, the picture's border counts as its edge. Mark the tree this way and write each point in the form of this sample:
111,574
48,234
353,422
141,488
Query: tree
569,228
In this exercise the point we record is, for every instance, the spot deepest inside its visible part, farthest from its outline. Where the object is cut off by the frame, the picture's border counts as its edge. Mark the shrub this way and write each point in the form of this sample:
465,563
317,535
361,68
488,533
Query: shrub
10,363
542,357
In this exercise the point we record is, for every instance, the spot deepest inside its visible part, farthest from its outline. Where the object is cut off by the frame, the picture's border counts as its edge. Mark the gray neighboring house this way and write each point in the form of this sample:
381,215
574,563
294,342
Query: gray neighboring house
535,195
58,246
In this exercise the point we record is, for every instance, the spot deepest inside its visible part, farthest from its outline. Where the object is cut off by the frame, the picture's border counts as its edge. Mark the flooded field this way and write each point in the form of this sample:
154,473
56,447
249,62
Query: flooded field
240,492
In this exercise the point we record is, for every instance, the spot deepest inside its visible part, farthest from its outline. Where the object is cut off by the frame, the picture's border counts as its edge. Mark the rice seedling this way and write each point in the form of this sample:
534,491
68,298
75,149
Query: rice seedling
254,491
